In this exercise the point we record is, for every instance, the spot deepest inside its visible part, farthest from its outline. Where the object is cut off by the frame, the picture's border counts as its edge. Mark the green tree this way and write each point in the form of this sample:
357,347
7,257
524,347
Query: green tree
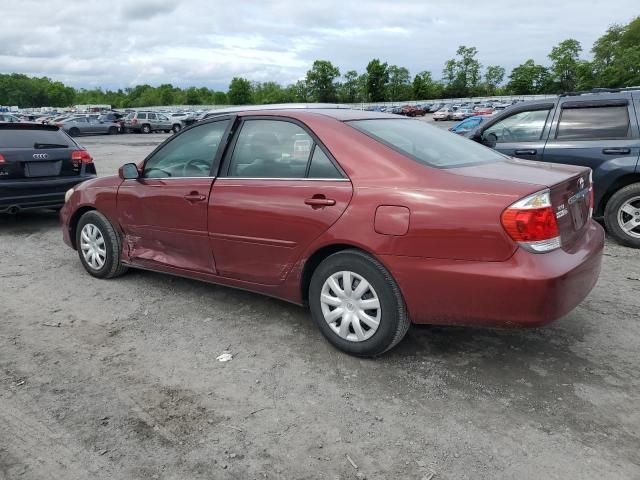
321,81
240,92
462,74
377,79
616,56
528,78
493,78
349,88
564,64
399,85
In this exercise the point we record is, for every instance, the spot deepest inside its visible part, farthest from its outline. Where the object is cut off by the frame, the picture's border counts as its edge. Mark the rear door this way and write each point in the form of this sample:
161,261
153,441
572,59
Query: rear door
601,134
279,189
521,133
164,213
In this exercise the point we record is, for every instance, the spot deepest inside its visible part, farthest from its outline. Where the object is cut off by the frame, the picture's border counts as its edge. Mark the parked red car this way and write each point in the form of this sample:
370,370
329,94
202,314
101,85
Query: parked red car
371,219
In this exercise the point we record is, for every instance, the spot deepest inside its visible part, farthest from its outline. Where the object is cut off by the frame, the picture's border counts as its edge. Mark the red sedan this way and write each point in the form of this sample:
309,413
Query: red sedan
372,220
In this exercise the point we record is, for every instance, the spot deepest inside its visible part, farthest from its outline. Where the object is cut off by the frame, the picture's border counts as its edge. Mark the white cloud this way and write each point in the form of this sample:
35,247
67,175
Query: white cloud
199,42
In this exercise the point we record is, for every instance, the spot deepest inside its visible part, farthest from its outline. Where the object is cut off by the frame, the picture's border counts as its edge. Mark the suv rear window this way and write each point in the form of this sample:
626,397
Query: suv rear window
592,123
27,138
426,144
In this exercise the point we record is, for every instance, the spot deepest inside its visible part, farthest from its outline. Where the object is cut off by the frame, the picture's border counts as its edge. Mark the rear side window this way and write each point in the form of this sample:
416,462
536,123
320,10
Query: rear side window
594,123
19,138
321,166
270,149
426,144
142,116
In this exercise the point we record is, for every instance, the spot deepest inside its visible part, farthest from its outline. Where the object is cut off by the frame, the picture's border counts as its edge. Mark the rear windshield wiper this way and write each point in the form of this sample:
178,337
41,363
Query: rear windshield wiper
49,145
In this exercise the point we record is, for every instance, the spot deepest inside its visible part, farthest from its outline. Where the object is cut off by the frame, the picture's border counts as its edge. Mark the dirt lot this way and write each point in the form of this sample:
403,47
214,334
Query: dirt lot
128,386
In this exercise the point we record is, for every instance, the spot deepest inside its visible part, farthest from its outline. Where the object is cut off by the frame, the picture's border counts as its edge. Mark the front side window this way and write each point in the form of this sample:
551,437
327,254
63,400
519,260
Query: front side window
426,144
190,154
270,149
594,123
520,127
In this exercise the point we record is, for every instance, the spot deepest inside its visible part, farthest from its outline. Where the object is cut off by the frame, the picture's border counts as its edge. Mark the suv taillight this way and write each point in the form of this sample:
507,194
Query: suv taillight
531,222
81,156
134,121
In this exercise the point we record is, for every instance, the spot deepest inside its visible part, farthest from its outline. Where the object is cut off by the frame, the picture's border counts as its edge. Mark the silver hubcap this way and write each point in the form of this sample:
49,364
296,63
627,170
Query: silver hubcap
92,246
350,306
629,217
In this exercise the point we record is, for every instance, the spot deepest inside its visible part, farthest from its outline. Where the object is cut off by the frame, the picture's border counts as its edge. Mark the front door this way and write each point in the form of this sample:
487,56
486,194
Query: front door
522,134
164,213
278,191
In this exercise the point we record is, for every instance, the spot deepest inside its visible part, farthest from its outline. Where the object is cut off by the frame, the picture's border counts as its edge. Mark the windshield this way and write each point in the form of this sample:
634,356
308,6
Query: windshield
426,144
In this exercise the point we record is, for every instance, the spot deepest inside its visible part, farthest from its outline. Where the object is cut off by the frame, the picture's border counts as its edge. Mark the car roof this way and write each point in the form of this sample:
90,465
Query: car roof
340,114
276,106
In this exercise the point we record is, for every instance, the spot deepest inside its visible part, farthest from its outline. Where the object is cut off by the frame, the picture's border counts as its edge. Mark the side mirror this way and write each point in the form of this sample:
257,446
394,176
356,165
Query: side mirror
490,140
129,171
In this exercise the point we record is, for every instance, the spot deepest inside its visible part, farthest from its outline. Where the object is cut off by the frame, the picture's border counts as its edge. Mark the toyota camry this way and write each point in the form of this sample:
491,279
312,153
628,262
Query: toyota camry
372,220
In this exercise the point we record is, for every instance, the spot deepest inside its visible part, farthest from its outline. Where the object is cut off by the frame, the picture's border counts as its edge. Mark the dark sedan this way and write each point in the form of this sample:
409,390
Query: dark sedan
38,165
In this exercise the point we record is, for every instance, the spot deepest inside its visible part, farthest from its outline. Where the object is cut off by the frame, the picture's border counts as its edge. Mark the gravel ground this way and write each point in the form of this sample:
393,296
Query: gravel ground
128,386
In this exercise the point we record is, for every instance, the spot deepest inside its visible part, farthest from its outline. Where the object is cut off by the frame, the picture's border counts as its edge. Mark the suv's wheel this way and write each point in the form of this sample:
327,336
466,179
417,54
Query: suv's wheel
622,215
146,128
176,128
99,246
74,132
357,304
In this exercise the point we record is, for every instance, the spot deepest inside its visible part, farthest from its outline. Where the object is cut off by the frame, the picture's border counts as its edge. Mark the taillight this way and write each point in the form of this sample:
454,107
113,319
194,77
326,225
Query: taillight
2,160
531,222
81,156
134,121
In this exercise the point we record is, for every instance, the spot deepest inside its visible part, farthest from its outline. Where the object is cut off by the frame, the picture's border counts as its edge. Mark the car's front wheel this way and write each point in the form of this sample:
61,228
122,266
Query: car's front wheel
622,215
357,304
98,246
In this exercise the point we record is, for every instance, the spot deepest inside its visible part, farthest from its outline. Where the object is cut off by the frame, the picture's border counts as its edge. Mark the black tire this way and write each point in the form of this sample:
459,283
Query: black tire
146,128
394,321
176,128
613,209
74,132
112,130
112,266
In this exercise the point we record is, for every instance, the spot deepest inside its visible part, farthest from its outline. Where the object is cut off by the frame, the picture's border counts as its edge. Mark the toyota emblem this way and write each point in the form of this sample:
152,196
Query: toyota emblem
581,183
40,156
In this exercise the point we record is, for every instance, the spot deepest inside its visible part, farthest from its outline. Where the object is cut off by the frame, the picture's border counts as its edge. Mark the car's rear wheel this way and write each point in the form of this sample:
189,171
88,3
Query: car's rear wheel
357,304
622,215
99,246
146,128
74,132
113,130
176,128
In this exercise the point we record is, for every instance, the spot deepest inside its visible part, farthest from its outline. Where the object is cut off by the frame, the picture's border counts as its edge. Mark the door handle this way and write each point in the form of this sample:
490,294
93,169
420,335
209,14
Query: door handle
526,151
194,197
616,151
320,201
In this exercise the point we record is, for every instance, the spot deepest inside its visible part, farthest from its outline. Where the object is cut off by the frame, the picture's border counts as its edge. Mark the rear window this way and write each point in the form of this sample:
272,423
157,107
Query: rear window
426,144
18,138
594,123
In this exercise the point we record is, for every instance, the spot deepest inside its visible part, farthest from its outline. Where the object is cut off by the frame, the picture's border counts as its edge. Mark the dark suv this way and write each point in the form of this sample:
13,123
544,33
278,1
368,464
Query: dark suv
596,129
38,165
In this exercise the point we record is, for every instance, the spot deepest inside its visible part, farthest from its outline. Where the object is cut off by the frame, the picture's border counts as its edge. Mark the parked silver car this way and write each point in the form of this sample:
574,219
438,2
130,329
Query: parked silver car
147,122
82,125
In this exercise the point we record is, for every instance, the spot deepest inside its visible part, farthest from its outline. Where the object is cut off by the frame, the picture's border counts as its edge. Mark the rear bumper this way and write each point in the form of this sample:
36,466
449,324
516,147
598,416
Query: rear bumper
528,290
41,193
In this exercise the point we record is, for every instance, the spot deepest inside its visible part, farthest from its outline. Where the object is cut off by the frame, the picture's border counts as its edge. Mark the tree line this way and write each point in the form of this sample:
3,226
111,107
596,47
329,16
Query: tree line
615,63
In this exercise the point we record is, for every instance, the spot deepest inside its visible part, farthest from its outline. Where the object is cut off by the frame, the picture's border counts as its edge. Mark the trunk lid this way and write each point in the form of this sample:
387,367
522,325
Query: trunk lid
37,153
568,186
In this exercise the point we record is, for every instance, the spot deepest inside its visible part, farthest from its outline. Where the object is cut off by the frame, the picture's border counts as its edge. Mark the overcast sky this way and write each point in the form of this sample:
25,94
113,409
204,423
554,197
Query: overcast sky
87,43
